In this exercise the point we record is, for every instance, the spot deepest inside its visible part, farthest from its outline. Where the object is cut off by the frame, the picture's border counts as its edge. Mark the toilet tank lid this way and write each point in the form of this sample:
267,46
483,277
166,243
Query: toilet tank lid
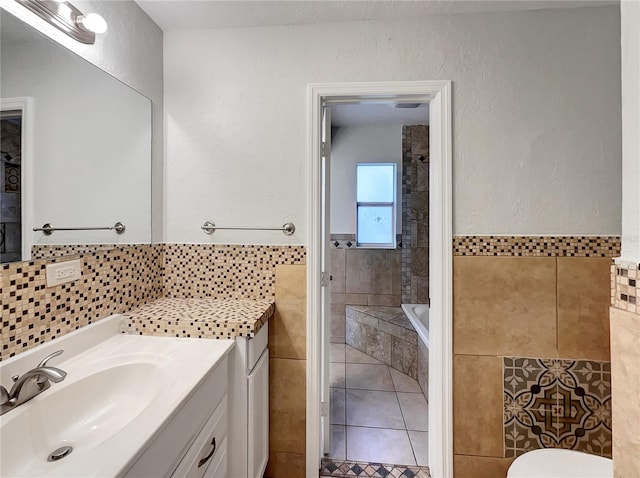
558,463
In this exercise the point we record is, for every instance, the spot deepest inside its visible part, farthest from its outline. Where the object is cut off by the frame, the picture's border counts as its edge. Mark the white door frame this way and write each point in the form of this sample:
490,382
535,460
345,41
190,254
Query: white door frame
24,104
438,94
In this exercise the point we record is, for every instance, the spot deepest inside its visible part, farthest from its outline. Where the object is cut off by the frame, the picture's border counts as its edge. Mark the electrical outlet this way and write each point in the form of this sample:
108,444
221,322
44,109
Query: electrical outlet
62,272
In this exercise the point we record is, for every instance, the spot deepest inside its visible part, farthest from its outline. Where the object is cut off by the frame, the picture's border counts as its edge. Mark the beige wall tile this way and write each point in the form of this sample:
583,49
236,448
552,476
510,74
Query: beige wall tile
480,467
477,406
349,299
337,320
368,271
287,405
625,386
395,256
584,296
287,329
385,300
504,306
286,465
337,268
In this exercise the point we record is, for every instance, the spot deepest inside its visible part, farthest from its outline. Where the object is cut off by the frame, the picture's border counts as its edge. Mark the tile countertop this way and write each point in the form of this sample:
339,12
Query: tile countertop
200,318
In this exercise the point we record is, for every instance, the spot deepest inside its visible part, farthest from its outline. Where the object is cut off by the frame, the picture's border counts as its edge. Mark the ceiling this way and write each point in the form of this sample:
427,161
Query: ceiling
372,114
173,15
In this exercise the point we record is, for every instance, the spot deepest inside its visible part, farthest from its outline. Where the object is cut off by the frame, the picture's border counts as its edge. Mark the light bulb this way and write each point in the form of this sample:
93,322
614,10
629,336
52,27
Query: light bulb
92,22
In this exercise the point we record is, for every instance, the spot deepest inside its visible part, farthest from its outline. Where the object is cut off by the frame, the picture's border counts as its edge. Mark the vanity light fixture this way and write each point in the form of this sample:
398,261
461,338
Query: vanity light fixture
67,18
92,22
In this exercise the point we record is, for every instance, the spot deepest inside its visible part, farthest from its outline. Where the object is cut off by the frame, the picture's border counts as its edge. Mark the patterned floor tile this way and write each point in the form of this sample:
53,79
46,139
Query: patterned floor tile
341,469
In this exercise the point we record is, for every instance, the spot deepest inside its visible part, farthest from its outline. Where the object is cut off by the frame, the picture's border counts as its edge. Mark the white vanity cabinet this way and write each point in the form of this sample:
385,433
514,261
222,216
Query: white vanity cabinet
249,406
184,447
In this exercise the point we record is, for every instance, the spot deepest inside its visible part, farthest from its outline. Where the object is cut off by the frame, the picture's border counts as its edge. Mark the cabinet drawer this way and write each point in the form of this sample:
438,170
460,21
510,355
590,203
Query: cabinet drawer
206,448
256,345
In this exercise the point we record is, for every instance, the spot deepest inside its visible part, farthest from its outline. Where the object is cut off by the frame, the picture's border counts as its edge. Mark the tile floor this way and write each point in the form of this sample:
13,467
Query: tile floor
377,413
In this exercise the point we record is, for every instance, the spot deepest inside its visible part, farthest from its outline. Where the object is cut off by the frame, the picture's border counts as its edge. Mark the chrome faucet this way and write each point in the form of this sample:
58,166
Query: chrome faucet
30,384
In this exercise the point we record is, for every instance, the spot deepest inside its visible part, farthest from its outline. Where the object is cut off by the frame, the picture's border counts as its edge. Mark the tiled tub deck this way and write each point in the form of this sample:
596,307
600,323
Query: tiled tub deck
385,334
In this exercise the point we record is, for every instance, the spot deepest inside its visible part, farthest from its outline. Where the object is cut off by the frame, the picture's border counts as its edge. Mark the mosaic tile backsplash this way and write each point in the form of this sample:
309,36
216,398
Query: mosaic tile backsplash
122,278
625,286
556,403
225,271
112,282
48,251
537,246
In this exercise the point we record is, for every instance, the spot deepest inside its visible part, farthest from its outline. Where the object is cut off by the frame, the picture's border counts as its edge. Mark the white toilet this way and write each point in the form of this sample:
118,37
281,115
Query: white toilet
558,463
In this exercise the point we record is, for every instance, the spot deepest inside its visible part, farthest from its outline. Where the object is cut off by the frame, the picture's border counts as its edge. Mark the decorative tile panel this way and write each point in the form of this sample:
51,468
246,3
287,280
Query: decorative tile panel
537,246
557,403
12,179
344,469
625,286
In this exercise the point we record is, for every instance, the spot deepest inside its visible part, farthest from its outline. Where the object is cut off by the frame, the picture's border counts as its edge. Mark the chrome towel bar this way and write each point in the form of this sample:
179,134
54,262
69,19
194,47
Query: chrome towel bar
288,228
48,228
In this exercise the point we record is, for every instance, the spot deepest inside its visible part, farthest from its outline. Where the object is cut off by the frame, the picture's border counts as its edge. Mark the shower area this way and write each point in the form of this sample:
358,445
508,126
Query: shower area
379,359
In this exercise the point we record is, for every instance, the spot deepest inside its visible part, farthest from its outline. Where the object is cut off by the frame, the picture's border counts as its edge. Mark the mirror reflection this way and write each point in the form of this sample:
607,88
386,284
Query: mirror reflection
75,150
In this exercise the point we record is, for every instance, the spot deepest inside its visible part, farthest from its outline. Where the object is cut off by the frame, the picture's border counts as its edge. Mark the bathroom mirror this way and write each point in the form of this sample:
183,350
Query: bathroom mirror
76,150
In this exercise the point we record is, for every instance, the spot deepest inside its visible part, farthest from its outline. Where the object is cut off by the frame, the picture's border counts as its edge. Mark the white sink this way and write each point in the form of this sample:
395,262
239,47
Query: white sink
117,396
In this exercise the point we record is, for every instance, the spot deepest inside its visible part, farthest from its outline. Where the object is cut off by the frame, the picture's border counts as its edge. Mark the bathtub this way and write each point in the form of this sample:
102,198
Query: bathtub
418,314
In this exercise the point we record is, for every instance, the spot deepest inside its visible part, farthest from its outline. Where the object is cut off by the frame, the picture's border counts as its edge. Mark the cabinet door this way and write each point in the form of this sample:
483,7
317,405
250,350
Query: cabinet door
258,413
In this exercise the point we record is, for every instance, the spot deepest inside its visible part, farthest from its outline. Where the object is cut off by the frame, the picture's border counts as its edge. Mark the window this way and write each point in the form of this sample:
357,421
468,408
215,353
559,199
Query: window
376,205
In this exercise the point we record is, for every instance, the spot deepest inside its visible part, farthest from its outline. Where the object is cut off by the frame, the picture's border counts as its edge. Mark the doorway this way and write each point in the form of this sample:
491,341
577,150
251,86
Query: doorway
437,96
15,179
10,186
377,409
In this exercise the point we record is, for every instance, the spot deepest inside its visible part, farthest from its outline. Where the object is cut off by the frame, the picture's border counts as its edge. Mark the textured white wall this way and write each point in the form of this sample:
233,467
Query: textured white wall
92,145
360,144
131,51
536,111
630,20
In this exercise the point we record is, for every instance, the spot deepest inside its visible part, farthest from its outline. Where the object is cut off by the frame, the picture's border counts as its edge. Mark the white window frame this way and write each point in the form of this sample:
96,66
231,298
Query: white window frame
394,210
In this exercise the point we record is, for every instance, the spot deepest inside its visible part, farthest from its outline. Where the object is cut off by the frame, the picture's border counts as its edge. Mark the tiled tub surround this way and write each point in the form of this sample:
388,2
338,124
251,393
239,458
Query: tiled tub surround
200,318
557,403
364,277
415,214
112,282
539,302
385,334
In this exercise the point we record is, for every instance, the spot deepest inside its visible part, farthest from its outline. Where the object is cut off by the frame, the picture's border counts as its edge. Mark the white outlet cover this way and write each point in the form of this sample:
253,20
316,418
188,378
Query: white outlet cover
63,272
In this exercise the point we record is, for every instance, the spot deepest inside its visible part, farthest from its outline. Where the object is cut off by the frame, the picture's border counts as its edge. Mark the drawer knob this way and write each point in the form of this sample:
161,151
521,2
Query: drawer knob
206,458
